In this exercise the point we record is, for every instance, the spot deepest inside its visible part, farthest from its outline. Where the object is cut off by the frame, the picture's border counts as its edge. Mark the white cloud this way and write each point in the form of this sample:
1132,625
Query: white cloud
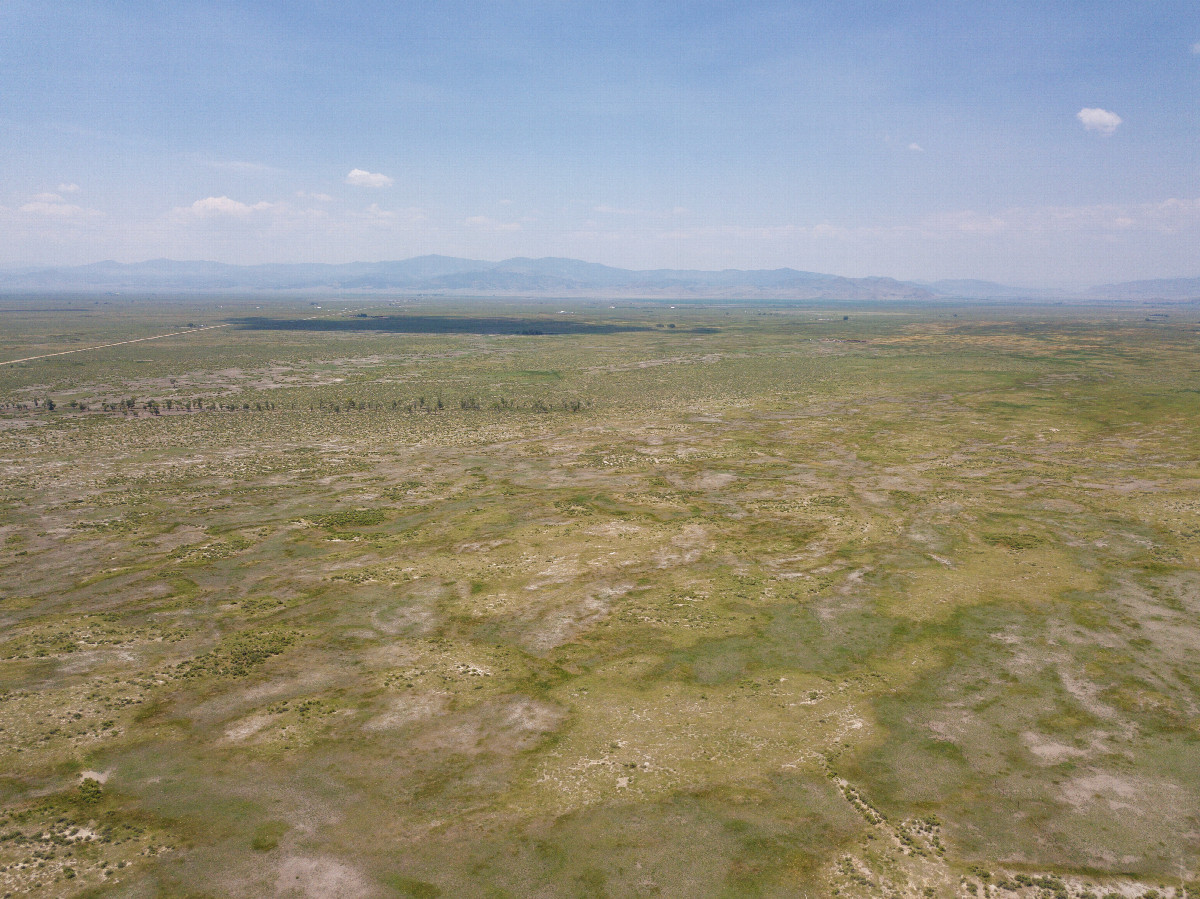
68,188
916,148
320,198
1100,120
361,178
52,205
57,209
1196,48
210,206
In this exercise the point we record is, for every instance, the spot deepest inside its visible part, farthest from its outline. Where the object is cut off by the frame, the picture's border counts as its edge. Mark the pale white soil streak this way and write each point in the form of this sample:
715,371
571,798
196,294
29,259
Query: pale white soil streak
102,346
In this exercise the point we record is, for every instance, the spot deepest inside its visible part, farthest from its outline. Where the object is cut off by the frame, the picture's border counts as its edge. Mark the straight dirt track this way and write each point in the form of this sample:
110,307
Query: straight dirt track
106,345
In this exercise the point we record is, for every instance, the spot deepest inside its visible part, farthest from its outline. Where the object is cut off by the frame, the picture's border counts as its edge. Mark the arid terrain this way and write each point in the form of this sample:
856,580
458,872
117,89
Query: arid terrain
360,598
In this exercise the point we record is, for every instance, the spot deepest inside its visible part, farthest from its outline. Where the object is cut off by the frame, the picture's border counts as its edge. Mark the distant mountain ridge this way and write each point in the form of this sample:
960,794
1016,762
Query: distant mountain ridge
446,274
546,276
1156,289
988,290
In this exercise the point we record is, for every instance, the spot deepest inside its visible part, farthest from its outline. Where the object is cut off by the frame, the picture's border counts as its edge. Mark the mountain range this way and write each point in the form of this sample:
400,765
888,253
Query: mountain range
548,276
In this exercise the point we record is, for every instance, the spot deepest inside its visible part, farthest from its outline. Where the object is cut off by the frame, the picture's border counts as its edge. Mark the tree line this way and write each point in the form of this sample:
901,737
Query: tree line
133,407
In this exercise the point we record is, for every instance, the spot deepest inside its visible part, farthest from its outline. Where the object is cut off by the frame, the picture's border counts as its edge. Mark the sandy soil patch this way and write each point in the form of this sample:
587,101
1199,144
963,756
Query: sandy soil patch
507,727
247,728
404,710
1047,751
715,480
321,878
563,624
1120,793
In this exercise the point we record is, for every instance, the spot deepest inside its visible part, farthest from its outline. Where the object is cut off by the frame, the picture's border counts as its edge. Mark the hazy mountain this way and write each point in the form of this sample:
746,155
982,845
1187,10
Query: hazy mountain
969,288
549,276
445,274
171,275
1158,289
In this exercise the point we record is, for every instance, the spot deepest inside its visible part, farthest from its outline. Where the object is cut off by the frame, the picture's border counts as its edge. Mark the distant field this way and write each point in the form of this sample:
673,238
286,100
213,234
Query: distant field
407,599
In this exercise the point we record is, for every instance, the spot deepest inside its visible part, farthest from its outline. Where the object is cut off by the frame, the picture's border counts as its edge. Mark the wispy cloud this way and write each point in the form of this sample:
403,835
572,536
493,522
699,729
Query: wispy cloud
68,188
1098,120
53,206
916,148
58,210
216,206
1169,216
363,178
235,165
483,221
308,195
1196,48
376,216
608,209
1166,217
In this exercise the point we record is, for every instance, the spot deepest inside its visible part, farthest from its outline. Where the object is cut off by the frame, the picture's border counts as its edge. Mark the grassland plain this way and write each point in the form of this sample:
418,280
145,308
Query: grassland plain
395,599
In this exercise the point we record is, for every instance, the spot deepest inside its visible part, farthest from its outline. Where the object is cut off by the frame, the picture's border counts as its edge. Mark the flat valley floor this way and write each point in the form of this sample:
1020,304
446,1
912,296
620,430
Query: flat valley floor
365,597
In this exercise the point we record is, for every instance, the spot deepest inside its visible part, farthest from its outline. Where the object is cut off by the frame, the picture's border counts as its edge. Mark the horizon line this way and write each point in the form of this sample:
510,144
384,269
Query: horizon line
921,281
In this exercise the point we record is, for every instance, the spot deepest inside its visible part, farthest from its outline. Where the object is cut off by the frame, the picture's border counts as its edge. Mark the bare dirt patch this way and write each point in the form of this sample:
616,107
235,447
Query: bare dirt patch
321,878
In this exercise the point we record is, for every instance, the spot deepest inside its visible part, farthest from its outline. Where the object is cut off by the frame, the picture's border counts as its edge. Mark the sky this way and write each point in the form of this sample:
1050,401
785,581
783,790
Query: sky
1052,143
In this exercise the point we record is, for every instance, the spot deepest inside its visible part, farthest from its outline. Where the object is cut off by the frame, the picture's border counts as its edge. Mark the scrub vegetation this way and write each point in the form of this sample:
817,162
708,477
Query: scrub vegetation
401,599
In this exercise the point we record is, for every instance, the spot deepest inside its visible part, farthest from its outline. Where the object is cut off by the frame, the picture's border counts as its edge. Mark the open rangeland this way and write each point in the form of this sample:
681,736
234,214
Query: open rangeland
401,598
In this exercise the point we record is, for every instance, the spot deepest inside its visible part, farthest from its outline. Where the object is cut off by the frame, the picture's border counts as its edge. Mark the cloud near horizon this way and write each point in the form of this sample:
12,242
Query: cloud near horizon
211,206
609,209
54,206
1099,120
363,178
57,209
483,221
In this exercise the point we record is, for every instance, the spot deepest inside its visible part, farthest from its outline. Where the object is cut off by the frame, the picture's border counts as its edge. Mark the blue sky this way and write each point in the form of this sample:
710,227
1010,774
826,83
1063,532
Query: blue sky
1029,142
